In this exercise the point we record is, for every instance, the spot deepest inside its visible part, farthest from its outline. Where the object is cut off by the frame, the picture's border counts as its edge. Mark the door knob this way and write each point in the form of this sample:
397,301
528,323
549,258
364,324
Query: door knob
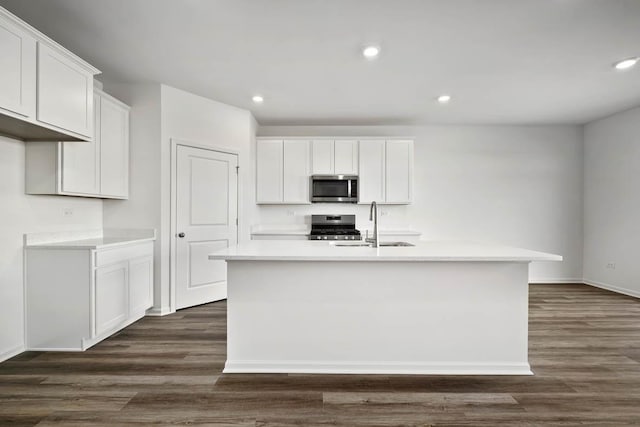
181,235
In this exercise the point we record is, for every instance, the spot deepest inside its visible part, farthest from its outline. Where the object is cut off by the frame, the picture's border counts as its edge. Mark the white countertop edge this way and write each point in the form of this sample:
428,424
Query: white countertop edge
281,232
90,239
288,232
87,244
388,258
446,251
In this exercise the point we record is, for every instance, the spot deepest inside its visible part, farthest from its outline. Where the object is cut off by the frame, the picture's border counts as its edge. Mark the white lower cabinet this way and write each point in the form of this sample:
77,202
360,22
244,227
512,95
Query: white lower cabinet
140,285
111,296
77,297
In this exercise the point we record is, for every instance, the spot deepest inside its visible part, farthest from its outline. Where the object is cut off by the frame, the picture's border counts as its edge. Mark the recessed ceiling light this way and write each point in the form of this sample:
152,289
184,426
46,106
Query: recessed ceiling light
371,52
626,63
443,99
258,99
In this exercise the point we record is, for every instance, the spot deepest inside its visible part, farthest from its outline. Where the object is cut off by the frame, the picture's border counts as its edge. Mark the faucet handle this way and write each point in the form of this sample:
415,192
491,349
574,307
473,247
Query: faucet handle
367,238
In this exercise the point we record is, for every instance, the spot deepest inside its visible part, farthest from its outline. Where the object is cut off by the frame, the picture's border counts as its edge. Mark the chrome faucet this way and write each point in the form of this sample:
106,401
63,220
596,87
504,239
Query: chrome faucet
373,216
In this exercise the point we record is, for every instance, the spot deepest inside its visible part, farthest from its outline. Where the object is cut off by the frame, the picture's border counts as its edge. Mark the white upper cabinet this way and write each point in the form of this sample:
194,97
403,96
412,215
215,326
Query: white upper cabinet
65,92
323,157
296,171
269,158
371,177
398,171
17,69
284,167
46,92
386,171
282,171
97,168
112,133
81,163
345,157
335,157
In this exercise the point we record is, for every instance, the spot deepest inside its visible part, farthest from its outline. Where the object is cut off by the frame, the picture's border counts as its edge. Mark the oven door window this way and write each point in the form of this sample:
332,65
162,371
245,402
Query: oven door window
331,188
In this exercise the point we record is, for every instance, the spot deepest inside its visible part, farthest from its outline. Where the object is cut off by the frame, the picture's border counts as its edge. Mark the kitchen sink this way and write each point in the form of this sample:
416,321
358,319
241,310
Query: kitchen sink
364,244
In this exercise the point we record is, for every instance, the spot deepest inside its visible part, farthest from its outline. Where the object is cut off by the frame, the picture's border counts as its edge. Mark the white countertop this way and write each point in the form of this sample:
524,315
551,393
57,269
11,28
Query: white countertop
283,231
269,250
89,239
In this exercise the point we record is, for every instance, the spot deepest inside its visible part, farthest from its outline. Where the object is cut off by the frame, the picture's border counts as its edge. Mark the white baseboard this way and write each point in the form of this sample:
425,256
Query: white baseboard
608,287
365,367
161,311
8,354
542,281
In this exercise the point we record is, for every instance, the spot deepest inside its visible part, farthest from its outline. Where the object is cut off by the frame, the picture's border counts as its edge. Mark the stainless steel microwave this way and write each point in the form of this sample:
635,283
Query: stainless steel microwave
334,189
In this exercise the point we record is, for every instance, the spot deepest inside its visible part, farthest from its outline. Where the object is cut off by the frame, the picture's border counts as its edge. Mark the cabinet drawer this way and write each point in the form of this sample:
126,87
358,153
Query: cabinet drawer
124,253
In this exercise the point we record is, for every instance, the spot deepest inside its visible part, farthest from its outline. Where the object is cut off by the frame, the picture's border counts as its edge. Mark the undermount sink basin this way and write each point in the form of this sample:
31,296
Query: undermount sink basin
365,244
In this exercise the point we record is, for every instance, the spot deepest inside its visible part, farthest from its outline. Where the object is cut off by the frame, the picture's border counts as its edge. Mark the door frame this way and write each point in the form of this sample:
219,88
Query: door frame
174,207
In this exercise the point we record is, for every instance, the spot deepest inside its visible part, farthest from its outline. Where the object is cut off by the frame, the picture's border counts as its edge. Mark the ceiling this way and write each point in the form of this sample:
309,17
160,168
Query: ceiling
503,61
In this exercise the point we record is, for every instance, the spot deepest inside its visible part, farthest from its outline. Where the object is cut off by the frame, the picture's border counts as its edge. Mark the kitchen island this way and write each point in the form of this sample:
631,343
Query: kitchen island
452,308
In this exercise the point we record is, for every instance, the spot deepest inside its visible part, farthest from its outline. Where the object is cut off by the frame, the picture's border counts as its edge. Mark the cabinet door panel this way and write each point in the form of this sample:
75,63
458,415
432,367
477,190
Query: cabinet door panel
346,157
81,164
371,167
113,133
399,160
17,70
140,285
269,169
296,171
111,297
65,93
323,157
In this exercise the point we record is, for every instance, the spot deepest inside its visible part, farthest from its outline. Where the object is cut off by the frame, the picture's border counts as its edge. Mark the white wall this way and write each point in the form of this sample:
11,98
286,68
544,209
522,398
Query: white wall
612,202
191,118
514,185
159,114
20,214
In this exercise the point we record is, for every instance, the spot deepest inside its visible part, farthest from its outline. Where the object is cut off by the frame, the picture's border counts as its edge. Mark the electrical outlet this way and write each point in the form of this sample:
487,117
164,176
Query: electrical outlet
384,213
611,265
291,212
67,212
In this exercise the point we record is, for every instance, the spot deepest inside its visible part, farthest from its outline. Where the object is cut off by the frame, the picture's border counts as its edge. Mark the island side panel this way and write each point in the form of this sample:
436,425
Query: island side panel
378,317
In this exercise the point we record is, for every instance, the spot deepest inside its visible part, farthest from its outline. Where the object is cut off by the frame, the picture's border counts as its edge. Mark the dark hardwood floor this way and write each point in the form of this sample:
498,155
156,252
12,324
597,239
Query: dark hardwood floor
584,350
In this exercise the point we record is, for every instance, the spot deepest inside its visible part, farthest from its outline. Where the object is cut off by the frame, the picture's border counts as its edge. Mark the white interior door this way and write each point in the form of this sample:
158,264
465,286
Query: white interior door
206,209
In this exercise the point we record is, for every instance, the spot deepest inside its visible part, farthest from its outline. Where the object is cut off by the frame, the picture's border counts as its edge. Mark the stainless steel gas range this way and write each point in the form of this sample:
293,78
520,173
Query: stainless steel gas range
334,227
